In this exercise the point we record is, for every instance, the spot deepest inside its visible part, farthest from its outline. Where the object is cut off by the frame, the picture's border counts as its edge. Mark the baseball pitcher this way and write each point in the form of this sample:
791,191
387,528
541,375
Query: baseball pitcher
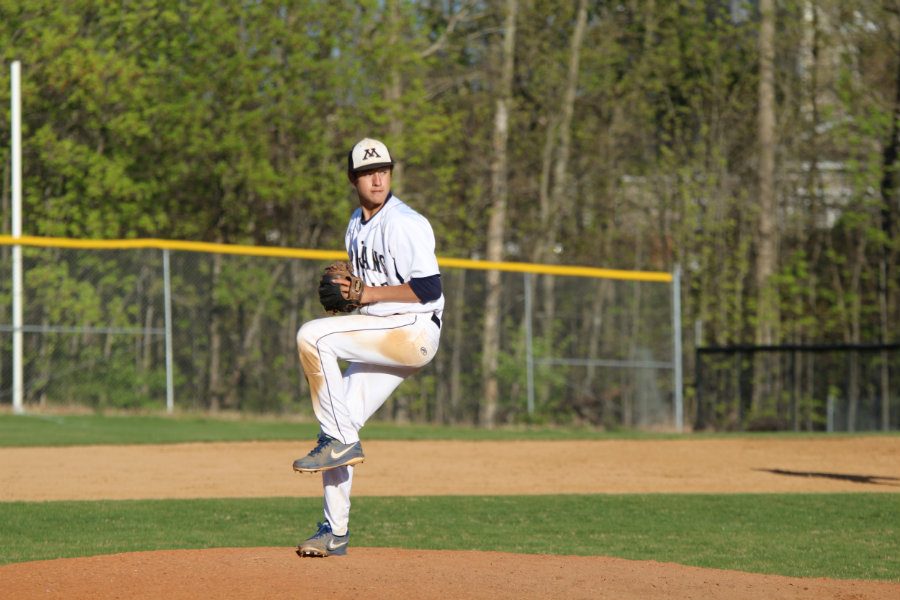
387,304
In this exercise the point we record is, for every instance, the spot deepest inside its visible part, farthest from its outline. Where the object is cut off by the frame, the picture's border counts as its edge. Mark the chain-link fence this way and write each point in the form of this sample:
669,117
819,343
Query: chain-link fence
573,348
824,387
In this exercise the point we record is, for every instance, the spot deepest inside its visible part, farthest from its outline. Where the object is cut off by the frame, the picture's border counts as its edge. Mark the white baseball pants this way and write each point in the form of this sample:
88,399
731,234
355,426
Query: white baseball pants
382,352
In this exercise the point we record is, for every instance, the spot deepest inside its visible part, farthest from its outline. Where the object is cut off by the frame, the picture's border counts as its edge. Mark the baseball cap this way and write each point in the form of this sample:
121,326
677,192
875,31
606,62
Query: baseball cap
368,154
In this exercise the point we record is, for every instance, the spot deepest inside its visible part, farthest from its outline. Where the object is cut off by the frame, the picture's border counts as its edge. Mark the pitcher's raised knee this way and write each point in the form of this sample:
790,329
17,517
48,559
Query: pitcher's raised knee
308,333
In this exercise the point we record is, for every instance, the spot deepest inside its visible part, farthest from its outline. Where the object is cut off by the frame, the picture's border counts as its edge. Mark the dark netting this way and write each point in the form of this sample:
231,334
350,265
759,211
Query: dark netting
838,387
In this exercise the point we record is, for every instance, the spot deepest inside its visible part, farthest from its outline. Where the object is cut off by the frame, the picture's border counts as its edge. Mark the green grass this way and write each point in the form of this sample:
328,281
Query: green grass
59,430
66,430
808,535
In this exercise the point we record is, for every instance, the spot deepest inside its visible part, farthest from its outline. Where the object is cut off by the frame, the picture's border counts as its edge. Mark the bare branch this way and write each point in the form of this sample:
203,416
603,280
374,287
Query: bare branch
459,17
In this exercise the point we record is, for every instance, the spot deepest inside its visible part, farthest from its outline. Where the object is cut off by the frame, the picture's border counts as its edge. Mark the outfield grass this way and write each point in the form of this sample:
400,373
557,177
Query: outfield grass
67,430
810,535
61,430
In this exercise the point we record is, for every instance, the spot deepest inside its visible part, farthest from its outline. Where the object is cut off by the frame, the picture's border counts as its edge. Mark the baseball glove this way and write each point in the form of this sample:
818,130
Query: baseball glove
334,297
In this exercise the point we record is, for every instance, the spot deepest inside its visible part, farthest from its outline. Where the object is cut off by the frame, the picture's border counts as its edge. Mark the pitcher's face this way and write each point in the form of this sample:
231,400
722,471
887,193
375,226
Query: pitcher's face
373,186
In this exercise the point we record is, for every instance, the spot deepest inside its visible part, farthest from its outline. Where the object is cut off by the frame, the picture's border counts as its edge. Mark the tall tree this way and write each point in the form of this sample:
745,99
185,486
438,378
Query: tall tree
766,257
558,205
766,242
497,219
889,216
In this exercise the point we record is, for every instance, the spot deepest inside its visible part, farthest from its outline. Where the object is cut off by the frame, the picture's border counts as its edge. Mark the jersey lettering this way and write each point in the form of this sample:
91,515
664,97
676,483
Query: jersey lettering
367,259
364,258
369,245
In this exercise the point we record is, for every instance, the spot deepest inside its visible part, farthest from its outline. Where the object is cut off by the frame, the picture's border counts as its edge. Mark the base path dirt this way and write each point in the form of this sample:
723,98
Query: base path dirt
423,468
838,464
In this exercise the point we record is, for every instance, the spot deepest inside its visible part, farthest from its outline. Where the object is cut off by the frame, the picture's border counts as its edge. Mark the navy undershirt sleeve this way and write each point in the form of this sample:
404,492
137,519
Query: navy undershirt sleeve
426,289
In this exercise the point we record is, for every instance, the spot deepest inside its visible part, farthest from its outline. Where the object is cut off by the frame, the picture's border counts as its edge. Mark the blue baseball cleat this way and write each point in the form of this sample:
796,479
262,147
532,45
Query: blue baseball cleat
329,454
324,543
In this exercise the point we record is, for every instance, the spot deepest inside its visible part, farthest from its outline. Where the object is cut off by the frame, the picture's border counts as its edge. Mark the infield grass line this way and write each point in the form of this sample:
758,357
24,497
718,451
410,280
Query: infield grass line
845,536
70,430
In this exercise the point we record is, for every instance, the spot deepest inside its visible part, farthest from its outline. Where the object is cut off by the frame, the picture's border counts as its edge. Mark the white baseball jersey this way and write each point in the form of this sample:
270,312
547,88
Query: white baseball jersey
383,345
394,246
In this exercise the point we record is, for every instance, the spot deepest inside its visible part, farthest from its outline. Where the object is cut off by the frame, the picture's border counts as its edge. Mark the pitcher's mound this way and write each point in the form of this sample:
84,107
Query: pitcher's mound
373,573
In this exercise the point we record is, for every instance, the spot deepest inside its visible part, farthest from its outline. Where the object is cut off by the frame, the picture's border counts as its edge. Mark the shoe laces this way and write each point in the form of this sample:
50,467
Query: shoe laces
323,440
324,529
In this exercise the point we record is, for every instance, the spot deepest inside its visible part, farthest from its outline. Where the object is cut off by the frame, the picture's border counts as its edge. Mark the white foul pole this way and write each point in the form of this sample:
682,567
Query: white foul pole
18,371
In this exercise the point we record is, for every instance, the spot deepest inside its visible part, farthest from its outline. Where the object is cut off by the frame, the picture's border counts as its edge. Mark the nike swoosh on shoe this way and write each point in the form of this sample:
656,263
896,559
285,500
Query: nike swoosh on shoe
340,454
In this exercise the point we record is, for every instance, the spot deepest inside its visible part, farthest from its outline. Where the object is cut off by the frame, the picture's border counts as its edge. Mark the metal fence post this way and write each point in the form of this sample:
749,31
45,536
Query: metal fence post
676,359
167,296
18,343
529,348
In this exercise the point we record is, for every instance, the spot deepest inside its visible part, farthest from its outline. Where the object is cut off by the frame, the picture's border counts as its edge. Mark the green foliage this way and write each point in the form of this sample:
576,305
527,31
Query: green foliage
230,122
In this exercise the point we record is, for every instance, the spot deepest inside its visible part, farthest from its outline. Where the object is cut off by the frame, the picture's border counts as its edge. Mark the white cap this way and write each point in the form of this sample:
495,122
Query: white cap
368,154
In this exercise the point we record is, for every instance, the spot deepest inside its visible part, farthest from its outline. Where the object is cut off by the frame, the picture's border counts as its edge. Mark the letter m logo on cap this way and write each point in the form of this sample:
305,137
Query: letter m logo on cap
369,154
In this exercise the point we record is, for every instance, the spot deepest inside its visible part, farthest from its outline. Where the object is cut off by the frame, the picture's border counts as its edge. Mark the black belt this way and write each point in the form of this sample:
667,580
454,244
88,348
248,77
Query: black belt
437,321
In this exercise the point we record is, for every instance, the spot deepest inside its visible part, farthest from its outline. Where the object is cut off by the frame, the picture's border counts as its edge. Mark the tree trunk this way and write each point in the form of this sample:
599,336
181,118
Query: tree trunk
766,243
888,195
816,190
394,93
560,196
766,310
595,329
855,332
544,250
457,343
497,221
560,201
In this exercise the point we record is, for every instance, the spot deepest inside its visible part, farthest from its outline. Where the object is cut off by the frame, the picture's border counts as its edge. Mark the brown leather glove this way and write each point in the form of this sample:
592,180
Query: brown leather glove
334,298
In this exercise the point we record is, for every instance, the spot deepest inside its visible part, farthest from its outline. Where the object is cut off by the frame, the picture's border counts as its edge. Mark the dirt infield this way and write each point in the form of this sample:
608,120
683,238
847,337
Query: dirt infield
840,464
263,469
376,573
